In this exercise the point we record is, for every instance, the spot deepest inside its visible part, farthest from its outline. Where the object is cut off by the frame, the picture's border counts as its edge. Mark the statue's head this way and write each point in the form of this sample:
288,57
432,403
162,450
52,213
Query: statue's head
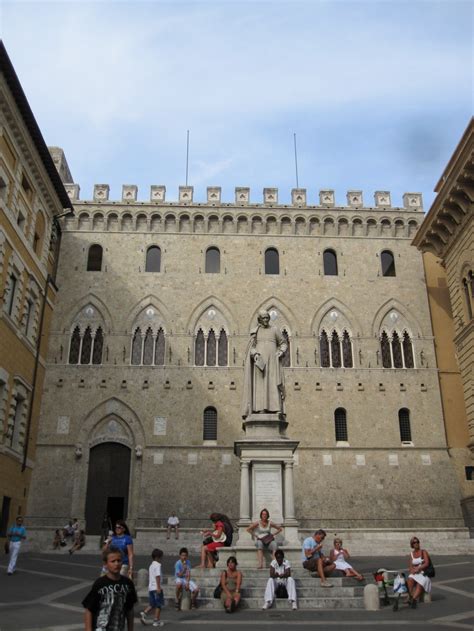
263,317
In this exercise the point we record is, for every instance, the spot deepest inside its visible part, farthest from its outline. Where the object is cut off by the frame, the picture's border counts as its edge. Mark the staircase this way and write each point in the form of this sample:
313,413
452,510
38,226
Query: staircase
346,593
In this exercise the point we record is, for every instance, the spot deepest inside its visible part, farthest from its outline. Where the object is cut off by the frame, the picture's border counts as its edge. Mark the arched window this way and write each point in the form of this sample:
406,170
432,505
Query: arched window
98,345
340,425
404,422
286,359
86,347
160,348
335,350
148,348
213,260
211,348
199,349
467,297
397,351
75,346
346,350
408,351
222,349
388,263
137,347
385,349
330,263
272,261
324,350
209,424
94,258
153,259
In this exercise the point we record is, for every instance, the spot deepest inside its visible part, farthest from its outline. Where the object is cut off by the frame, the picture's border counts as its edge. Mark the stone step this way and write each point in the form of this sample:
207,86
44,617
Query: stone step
258,592
328,602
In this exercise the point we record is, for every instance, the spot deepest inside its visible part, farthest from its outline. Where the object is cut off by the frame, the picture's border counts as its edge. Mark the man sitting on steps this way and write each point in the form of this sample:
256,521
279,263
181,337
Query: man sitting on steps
313,558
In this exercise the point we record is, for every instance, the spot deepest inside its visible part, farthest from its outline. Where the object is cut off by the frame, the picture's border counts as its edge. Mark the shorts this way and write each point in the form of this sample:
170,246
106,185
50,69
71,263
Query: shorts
214,545
273,545
312,564
155,599
192,585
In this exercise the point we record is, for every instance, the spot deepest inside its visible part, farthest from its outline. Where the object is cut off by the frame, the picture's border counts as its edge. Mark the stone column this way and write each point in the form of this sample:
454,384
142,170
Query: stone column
289,492
244,492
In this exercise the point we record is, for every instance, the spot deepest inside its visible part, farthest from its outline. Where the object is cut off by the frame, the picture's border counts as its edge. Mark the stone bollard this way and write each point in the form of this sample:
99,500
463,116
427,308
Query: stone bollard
185,600
142,579
371,597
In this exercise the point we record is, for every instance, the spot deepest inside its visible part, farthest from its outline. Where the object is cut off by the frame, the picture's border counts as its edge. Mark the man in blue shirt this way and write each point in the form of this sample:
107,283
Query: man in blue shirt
313,558
16,535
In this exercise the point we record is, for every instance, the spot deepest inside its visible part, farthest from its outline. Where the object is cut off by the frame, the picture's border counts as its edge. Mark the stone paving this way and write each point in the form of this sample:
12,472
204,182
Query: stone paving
46,592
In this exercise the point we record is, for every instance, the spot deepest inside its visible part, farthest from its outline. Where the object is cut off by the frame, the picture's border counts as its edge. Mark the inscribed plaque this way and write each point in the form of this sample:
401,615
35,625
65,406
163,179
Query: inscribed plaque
267,490
159,428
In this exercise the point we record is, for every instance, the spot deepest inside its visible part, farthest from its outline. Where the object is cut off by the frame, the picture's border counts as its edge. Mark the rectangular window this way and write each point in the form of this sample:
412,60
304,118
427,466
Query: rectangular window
21,221
15,429
11,294
28,318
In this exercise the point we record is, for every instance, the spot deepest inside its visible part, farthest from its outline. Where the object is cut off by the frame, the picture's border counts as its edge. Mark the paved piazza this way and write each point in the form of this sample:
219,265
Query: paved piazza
46,592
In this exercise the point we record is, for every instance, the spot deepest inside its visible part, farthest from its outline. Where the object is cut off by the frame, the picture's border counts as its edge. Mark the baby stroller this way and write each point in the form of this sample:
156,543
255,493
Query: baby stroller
393,581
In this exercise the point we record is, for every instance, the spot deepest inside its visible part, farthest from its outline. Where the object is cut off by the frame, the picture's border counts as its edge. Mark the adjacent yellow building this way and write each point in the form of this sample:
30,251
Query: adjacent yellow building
31,196
446,238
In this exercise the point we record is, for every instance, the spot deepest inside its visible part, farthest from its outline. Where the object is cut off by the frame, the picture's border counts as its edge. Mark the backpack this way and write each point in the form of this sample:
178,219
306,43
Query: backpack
229,533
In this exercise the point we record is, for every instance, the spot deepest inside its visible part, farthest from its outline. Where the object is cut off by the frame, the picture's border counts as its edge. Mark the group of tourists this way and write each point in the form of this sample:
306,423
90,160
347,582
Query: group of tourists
72,532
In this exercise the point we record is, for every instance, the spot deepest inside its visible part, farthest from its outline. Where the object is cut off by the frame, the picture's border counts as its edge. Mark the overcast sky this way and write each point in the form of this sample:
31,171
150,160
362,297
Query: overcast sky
377,92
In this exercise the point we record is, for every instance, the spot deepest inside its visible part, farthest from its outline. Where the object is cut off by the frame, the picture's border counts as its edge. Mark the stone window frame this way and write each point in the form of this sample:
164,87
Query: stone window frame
12,304
83,329
93,257
209,263
145,267
384,268
392,335
340,427
30,324
217,332
210,425
156,330
333,252
404,425
4,394
341,334
17,421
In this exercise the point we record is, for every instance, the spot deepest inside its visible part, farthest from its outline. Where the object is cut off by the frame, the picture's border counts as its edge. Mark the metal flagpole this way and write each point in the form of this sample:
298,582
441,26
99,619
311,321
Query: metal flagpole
296,161
187,156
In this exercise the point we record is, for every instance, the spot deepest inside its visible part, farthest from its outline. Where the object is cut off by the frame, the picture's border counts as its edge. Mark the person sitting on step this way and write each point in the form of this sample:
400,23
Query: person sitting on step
280,579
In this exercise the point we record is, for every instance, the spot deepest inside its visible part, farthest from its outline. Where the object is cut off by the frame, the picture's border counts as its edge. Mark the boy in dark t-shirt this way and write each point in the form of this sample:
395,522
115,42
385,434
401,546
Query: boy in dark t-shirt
111,599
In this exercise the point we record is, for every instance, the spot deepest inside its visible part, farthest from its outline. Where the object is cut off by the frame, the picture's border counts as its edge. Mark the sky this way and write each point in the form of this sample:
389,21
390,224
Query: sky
378,93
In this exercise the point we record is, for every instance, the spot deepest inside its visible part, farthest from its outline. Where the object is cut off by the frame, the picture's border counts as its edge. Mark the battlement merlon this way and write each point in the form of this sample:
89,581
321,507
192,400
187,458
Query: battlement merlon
299,199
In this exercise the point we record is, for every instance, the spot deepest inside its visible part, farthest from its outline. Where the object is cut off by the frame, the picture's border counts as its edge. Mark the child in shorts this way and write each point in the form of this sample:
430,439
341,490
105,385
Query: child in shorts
155,592
182,575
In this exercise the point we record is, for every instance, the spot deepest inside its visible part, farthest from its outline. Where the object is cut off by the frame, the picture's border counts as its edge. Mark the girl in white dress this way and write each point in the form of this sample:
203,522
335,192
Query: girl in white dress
417,581
339,556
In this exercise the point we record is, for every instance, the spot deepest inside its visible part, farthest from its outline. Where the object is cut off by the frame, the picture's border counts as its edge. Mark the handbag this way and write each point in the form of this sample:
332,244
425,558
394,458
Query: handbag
7,547
218,591
207,540
267,539
429,571
281,591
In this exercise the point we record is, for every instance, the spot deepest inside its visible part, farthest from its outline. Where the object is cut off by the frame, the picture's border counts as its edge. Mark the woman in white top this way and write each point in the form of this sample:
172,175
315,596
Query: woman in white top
418,582
339,556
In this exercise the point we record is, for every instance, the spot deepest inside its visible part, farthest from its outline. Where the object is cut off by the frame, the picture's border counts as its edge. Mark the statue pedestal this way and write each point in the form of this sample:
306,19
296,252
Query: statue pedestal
266,476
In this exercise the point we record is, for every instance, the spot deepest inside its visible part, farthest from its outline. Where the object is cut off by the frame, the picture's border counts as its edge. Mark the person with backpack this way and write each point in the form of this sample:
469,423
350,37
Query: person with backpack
220,536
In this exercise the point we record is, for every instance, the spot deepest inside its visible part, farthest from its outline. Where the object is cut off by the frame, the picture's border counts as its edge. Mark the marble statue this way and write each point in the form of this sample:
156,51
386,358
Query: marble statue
263,378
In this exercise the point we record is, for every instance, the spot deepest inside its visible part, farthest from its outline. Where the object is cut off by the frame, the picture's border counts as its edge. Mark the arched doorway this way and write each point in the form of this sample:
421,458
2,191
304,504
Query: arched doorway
107,484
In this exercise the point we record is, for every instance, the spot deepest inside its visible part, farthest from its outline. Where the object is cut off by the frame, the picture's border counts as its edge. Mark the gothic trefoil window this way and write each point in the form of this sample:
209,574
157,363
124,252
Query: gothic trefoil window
86,345
148,347
222,349
286,359
347,350
397,350
211,348
324,350
199,349
335,349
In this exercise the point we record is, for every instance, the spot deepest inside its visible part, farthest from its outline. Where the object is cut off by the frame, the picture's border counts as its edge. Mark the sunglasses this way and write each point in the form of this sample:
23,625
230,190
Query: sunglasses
119,528
415,541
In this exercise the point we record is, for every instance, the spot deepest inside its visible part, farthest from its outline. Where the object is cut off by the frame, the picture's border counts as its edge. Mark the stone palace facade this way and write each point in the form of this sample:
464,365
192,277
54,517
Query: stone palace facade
141,404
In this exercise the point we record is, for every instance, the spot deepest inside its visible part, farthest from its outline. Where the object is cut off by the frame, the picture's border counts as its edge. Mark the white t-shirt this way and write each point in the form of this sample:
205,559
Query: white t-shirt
280,569
153,571
173,521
